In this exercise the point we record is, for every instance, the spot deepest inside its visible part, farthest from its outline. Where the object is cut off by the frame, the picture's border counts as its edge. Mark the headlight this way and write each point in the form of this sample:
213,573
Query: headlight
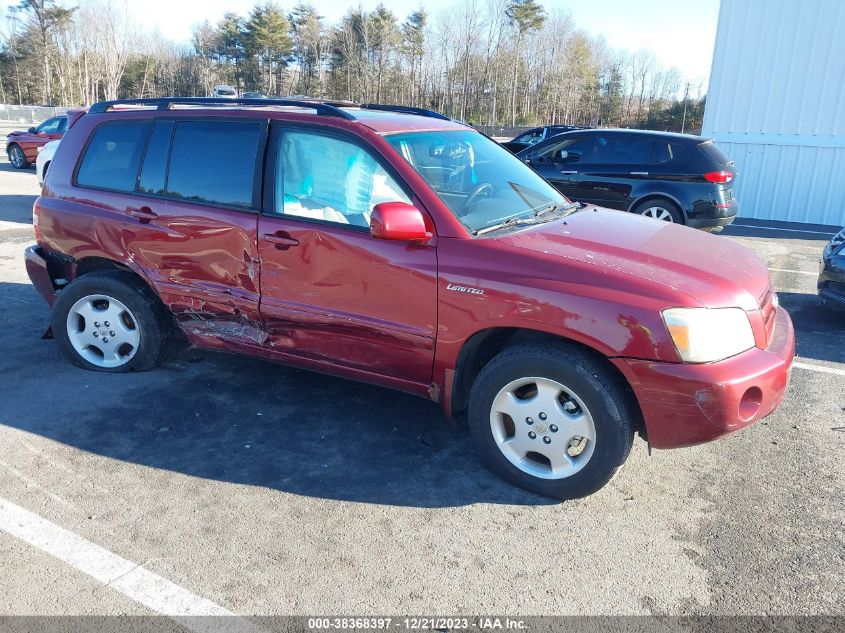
38,149
703,335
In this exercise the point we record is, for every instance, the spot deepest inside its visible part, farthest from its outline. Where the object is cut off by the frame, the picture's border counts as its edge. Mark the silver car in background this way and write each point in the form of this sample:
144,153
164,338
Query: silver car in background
45,156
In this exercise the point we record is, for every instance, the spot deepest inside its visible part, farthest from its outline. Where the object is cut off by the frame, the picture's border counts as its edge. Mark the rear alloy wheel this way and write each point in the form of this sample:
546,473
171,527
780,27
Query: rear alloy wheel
111,321
662,210
17,157
103,331
551,418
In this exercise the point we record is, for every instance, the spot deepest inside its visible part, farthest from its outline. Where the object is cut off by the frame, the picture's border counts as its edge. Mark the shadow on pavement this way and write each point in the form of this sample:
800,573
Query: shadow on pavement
245,421
819,331
16,208
772,229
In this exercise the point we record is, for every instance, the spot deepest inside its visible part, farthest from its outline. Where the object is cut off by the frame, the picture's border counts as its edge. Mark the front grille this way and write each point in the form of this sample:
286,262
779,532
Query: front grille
769,310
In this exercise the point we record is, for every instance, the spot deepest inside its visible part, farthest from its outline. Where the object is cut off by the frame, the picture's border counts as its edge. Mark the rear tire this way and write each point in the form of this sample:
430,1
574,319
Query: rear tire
110,321
664,210
17,157
551,419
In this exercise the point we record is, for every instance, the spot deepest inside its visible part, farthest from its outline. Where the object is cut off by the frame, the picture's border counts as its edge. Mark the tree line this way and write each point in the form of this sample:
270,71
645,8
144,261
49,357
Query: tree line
487,62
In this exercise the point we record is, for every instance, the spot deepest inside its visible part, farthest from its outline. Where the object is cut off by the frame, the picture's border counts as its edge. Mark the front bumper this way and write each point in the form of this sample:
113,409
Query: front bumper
831,282
39,274
686,404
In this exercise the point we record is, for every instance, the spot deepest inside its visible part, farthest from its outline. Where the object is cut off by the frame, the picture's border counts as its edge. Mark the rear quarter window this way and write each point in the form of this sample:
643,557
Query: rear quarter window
668,152
713,154
113,155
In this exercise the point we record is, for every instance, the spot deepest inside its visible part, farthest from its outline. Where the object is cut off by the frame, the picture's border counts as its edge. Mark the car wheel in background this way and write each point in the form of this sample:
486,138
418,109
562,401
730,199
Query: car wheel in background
550,419
660,209
110,321
17,157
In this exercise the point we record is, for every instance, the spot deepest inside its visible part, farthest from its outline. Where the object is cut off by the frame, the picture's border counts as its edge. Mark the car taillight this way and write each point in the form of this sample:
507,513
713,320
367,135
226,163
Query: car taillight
720,177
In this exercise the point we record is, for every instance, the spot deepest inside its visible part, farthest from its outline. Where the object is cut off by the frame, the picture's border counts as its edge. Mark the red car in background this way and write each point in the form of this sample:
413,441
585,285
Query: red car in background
22,147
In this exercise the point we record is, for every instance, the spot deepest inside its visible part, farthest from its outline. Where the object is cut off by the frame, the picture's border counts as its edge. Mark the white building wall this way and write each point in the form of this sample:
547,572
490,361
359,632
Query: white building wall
776,105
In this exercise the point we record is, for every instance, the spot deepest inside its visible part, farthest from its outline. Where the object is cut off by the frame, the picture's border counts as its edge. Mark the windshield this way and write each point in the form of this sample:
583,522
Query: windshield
481,182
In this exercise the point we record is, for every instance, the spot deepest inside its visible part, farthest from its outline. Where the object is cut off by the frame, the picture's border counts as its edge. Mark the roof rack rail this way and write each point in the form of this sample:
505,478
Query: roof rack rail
165,103
405,110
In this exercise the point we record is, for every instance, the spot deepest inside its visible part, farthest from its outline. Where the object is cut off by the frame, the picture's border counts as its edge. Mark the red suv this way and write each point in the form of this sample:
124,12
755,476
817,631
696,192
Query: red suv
397,247
22,147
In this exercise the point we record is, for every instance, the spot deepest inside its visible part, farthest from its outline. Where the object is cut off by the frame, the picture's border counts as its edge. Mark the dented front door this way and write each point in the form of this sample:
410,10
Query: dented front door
331,293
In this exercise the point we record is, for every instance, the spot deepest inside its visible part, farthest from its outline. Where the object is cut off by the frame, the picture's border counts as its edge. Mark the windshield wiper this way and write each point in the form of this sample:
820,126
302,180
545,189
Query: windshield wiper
514,221
554,206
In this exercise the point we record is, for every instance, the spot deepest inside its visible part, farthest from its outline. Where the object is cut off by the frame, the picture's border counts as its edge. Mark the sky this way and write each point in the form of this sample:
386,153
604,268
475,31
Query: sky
681,33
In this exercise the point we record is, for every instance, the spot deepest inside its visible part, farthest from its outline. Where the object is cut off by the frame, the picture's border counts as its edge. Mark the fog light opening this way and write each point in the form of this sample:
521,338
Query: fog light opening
750,403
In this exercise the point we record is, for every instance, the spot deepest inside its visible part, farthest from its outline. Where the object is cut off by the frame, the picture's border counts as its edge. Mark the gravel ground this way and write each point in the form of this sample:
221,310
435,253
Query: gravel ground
270,490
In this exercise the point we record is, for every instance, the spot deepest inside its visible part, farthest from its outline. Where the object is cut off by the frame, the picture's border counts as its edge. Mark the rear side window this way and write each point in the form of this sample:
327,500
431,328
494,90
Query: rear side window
567,151
713,153
663,152
620,151
214,161
154,169
113,156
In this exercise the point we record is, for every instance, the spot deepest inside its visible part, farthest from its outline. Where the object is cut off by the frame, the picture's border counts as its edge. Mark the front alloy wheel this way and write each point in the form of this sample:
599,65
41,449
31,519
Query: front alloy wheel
552,418
543,428
17,157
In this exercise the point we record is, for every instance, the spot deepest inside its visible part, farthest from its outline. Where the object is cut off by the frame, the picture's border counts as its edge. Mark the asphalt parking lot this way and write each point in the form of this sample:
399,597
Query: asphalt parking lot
251,488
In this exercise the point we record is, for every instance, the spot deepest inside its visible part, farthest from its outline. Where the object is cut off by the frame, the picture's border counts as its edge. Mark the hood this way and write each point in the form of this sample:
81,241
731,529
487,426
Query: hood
15,133
712,270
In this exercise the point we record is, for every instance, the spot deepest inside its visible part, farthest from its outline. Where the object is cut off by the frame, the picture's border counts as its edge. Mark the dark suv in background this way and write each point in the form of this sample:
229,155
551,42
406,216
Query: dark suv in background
672,177
537,135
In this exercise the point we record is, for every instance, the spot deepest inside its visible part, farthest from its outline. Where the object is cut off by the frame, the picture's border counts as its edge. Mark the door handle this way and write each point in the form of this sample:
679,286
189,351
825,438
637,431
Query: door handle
639,173
281,239
144,214
569,173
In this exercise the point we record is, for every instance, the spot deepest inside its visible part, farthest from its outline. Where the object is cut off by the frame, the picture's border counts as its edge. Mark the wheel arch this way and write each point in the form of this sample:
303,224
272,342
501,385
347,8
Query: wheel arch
480,348
659,196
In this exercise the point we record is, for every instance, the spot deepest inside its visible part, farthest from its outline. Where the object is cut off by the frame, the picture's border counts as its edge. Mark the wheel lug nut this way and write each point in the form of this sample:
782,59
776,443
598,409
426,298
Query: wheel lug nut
529,420
96,334
111,334
547,439
542,416
106,324
96,324
532,435
553,428
105,340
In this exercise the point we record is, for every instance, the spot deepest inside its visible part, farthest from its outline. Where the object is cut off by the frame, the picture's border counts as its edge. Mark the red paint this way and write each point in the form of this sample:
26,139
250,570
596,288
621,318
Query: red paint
392,312
690,404
400,222
30,141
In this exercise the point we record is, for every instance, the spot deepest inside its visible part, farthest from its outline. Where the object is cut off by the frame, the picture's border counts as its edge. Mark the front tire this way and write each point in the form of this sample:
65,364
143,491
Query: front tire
550,419
110,321
17,157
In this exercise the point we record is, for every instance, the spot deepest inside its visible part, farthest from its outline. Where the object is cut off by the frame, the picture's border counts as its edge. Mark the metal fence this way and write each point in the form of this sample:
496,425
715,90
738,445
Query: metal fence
28,114
503,131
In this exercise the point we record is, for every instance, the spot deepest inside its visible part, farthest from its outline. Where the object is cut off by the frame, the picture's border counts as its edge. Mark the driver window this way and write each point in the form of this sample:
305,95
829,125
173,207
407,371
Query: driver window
50,126
325,178
569,151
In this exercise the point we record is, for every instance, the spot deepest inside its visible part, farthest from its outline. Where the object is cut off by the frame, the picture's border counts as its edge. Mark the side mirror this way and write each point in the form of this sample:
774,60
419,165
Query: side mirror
32,130
398,221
